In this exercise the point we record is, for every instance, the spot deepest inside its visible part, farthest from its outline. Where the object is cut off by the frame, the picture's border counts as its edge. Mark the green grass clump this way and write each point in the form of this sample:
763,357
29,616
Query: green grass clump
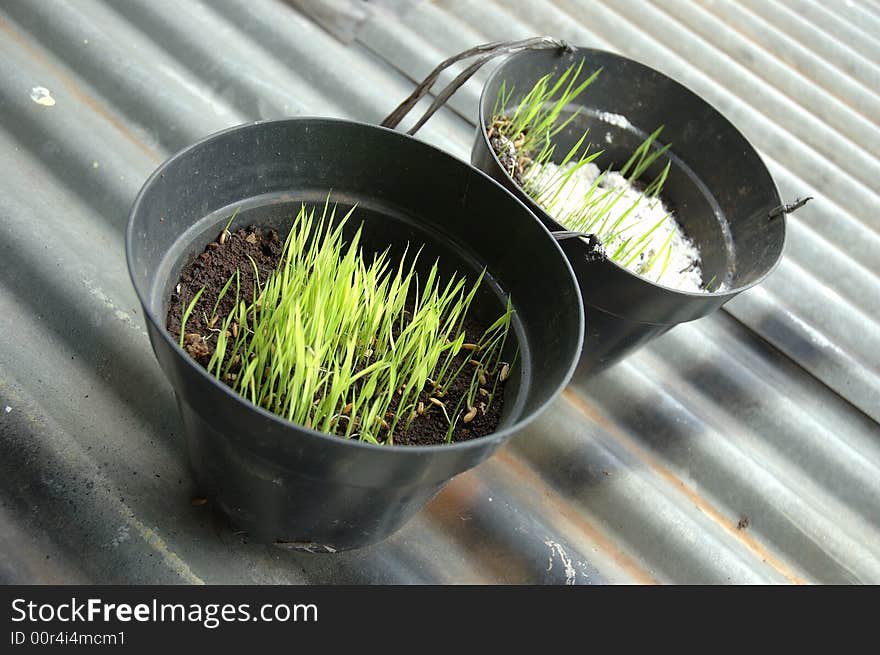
354,345
522,136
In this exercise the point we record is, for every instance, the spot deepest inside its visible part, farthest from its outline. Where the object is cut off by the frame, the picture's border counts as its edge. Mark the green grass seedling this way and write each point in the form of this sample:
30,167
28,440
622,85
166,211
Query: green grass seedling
344,342
530,126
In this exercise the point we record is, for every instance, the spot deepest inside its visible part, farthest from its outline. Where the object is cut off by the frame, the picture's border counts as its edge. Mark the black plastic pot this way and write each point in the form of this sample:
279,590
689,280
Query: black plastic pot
720,190
287,484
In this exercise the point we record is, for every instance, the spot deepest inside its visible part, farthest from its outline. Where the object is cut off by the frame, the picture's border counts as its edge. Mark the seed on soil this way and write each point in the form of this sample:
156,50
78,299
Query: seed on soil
223,235
195,345
473,362
421,408
484,392
470,416
468,346
482,379
434,401
235,329
347,409
198,350
505,372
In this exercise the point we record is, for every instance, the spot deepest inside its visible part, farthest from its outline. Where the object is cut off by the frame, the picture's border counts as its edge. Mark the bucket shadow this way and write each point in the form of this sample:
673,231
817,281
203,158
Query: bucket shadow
672,441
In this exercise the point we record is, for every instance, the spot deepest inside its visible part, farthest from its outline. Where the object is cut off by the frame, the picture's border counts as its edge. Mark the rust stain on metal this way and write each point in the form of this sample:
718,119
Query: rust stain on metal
701,503
74,89
458,499
525,474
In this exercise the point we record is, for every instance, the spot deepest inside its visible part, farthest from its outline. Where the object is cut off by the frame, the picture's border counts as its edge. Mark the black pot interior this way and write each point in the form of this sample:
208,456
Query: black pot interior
718,187
382,228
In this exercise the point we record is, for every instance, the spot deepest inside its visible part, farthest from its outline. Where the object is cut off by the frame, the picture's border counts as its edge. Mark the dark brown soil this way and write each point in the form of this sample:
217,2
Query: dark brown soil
213,268
509,152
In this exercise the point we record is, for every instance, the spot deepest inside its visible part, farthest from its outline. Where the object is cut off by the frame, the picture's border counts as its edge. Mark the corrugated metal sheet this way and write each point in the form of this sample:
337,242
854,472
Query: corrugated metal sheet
764,414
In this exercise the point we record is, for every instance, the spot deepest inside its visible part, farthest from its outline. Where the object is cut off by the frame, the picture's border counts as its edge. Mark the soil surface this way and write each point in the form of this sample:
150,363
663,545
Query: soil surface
213,268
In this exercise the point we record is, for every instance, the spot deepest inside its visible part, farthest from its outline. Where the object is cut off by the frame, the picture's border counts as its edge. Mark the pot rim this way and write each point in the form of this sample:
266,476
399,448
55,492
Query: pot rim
539,211
497,437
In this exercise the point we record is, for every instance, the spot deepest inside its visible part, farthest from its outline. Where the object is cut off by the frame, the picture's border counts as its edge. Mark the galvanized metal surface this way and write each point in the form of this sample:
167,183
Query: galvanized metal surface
740,448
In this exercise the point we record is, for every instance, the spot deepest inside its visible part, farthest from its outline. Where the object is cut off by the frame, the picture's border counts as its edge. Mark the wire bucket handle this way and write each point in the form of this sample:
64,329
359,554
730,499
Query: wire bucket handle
484,52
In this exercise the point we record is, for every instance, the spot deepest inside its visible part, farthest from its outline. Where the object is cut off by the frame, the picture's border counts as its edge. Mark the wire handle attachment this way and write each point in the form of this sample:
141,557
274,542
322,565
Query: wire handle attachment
484,52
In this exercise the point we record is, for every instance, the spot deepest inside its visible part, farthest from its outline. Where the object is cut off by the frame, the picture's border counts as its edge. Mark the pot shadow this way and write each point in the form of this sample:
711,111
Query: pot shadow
125,532
478,514
586,478
387,562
